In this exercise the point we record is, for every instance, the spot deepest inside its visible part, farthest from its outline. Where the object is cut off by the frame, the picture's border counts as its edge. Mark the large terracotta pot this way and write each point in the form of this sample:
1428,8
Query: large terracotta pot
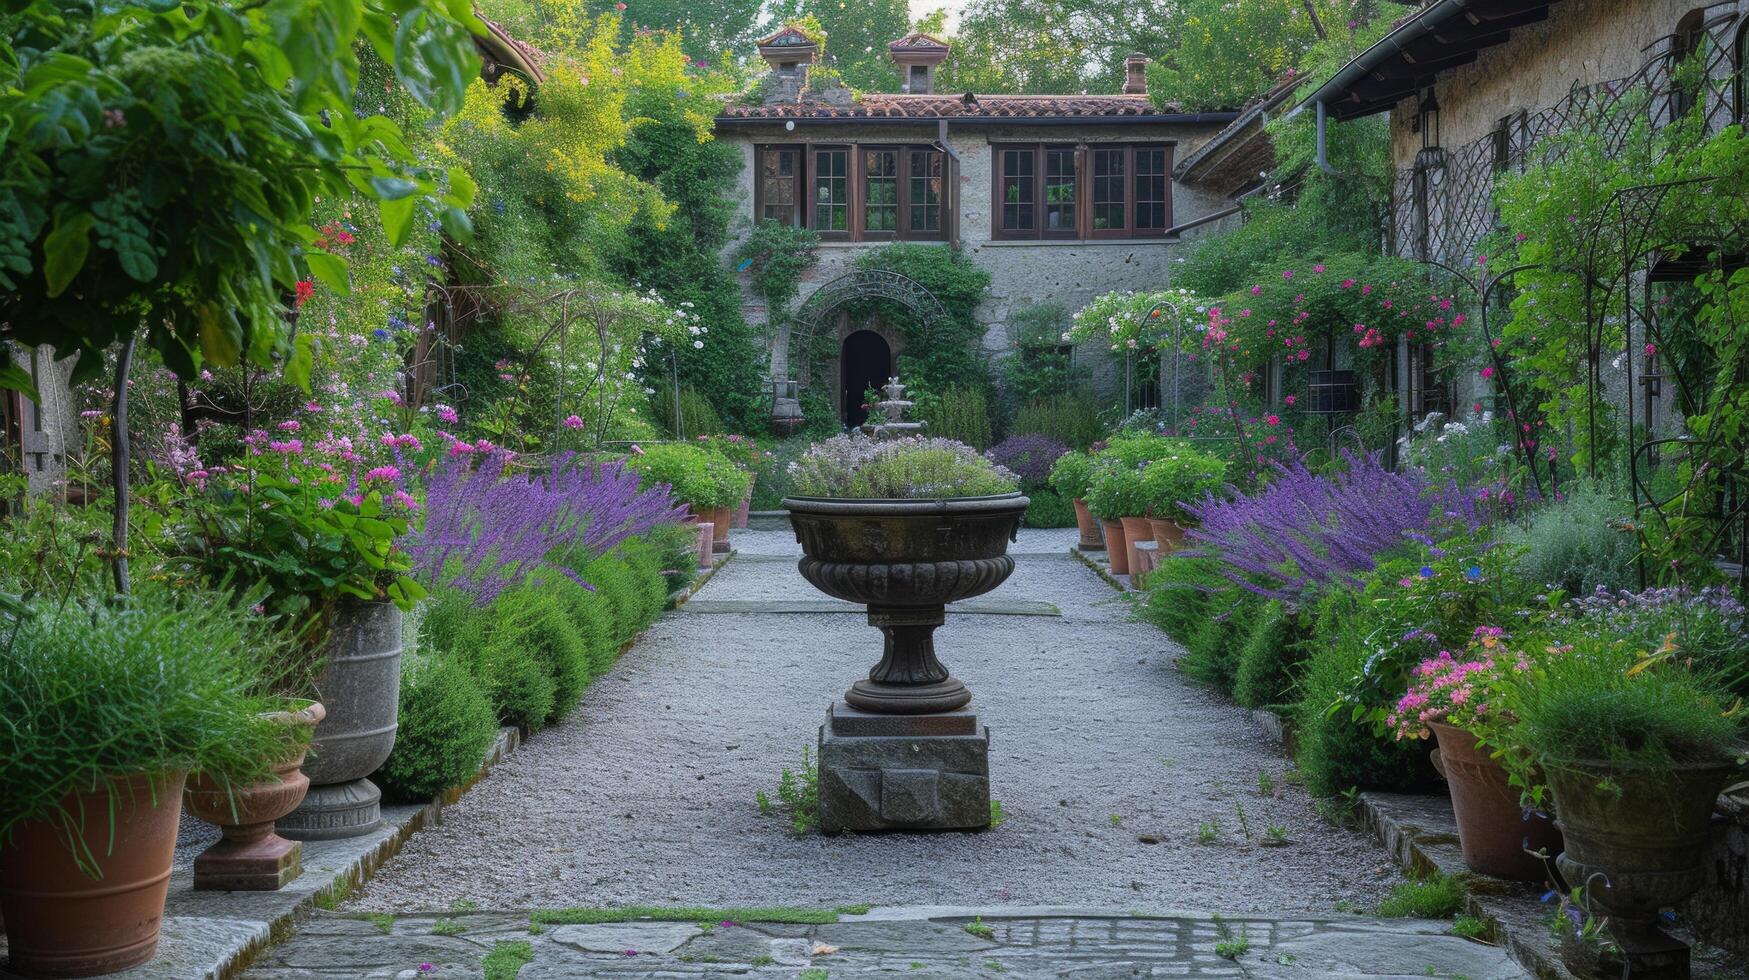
251,857
1494,831
1169,535
722,517
707,536
1116,548
61,922
1088,526
906,559
361,687
1636,845
1135,531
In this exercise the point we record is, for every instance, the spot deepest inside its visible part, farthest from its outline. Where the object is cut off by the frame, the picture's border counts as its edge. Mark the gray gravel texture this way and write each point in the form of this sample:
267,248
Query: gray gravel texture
1106,760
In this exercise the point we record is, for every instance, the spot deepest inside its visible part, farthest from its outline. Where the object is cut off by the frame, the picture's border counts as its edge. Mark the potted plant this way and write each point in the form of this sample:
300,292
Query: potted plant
1635,748
109,705
1118,498
250,856
705,481
745,454
1170,481
1072,476
320,526
1459,700
905,526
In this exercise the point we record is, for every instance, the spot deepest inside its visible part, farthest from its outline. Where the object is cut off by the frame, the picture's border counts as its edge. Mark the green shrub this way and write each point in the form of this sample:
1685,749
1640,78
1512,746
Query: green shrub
649,585
675,546
1072,475
853,465
1178,478
1118,491
1579,543
615,587
772,479
1071,419
1184,591
519,685
696,476
698,417
1267,660
538,618
446,726
1212,654
1049,509
960,414
450,622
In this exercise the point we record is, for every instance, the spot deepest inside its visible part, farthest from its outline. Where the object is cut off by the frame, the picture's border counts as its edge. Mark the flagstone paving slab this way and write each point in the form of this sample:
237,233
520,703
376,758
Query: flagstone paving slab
932,943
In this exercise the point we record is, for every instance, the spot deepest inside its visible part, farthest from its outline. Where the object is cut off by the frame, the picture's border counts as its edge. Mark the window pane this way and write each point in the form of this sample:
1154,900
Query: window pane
778,186
1060,190
1151,189
831,190
1108,189
880,190
925,190
1016,191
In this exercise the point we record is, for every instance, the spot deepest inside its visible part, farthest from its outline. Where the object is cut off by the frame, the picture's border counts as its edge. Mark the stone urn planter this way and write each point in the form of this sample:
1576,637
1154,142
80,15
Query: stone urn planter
1168,535
360,687
900,751
60,921
1088,525
251,857
1117,546
1636,845
1494,831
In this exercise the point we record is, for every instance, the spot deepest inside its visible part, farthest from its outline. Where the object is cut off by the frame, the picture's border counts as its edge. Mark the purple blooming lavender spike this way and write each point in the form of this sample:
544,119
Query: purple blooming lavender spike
486,530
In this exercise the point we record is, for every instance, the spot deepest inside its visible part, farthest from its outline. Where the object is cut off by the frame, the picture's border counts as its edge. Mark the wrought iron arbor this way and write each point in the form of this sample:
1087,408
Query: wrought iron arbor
810,346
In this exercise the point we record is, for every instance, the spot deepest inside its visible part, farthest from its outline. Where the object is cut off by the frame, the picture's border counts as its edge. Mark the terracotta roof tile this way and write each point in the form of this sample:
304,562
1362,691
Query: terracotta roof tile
878,106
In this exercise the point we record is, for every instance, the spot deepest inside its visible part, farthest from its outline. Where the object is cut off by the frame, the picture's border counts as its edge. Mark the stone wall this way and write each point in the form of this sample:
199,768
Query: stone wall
1583,42
1022,272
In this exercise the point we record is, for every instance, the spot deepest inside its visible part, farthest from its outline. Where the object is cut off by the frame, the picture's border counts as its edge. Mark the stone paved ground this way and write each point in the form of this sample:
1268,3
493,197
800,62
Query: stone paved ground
916,943
1136,819
1108,764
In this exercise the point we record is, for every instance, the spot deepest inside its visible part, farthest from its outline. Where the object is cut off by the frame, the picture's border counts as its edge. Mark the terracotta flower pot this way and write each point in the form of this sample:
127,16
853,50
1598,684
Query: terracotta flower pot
742,508
1089,527
707,536
360,688
1494,831
1135,531
1169,535
1636,845
721,517
1116,547
61,922
251,857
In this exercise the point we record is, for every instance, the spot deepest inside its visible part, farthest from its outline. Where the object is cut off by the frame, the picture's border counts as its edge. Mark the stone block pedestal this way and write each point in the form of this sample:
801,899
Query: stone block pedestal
903,772
263,865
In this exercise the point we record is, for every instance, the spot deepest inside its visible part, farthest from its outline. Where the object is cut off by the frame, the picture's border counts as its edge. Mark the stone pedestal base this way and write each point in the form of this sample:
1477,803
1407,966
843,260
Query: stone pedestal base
335,811
265,864
903,772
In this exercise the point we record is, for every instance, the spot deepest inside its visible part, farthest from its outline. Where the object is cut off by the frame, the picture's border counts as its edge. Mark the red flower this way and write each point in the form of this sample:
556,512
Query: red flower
306,289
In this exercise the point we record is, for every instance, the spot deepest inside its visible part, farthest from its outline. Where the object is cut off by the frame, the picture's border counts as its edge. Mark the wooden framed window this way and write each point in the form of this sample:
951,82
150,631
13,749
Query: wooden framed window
924,192
1153,190
831,197
1062,188
778,192
1017,192
1110,190
880,192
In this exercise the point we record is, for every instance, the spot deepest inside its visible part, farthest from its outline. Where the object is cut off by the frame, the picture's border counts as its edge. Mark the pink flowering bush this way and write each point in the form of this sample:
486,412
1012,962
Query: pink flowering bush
1464,691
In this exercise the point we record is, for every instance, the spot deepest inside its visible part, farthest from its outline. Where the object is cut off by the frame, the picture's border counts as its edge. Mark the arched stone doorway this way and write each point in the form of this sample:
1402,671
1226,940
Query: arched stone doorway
865,360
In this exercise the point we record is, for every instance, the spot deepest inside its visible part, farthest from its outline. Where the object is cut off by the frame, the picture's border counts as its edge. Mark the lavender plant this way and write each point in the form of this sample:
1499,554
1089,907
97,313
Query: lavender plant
1028,457
1303,531
486,530
854,465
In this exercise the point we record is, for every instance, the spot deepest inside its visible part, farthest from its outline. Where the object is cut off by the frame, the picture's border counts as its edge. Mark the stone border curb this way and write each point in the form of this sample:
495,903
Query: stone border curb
1099,569
680,597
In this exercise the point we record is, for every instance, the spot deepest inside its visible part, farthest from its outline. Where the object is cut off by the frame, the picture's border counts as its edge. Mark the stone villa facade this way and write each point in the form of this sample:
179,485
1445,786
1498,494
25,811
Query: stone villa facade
1060,198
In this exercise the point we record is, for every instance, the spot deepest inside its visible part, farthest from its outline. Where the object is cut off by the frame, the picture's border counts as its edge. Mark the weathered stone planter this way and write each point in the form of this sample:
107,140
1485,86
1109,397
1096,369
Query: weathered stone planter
251,857
361,688
900,751
1636,848
1495,832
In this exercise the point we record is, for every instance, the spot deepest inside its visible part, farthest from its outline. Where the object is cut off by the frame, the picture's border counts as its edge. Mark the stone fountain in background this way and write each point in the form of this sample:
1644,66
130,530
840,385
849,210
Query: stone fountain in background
893,409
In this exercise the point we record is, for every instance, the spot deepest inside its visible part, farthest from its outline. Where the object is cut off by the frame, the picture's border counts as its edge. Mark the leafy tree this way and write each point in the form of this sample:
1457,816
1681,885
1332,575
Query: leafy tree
712,31
163,160
857,32
1228,53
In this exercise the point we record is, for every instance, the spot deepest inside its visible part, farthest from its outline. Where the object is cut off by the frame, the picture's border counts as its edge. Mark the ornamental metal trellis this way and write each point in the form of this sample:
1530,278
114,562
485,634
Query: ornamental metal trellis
807,343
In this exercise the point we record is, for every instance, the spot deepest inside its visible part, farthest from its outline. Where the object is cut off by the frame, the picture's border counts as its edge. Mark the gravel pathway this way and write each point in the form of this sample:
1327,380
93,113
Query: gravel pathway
1106,760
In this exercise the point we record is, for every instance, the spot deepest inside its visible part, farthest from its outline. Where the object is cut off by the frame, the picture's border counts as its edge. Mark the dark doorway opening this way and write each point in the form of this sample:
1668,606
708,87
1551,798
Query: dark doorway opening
865,362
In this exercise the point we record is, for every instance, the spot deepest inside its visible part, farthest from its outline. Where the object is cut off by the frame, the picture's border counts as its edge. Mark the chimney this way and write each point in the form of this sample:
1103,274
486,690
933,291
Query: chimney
790,53
917,56
1135,74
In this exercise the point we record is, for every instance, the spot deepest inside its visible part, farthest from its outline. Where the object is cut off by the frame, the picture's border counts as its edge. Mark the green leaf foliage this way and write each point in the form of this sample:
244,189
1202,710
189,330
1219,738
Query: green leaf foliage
446,724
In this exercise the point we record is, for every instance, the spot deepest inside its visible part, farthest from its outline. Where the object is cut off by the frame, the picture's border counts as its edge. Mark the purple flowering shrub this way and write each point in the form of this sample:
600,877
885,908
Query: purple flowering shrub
1709,628
1302,531
486,530
1028,457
